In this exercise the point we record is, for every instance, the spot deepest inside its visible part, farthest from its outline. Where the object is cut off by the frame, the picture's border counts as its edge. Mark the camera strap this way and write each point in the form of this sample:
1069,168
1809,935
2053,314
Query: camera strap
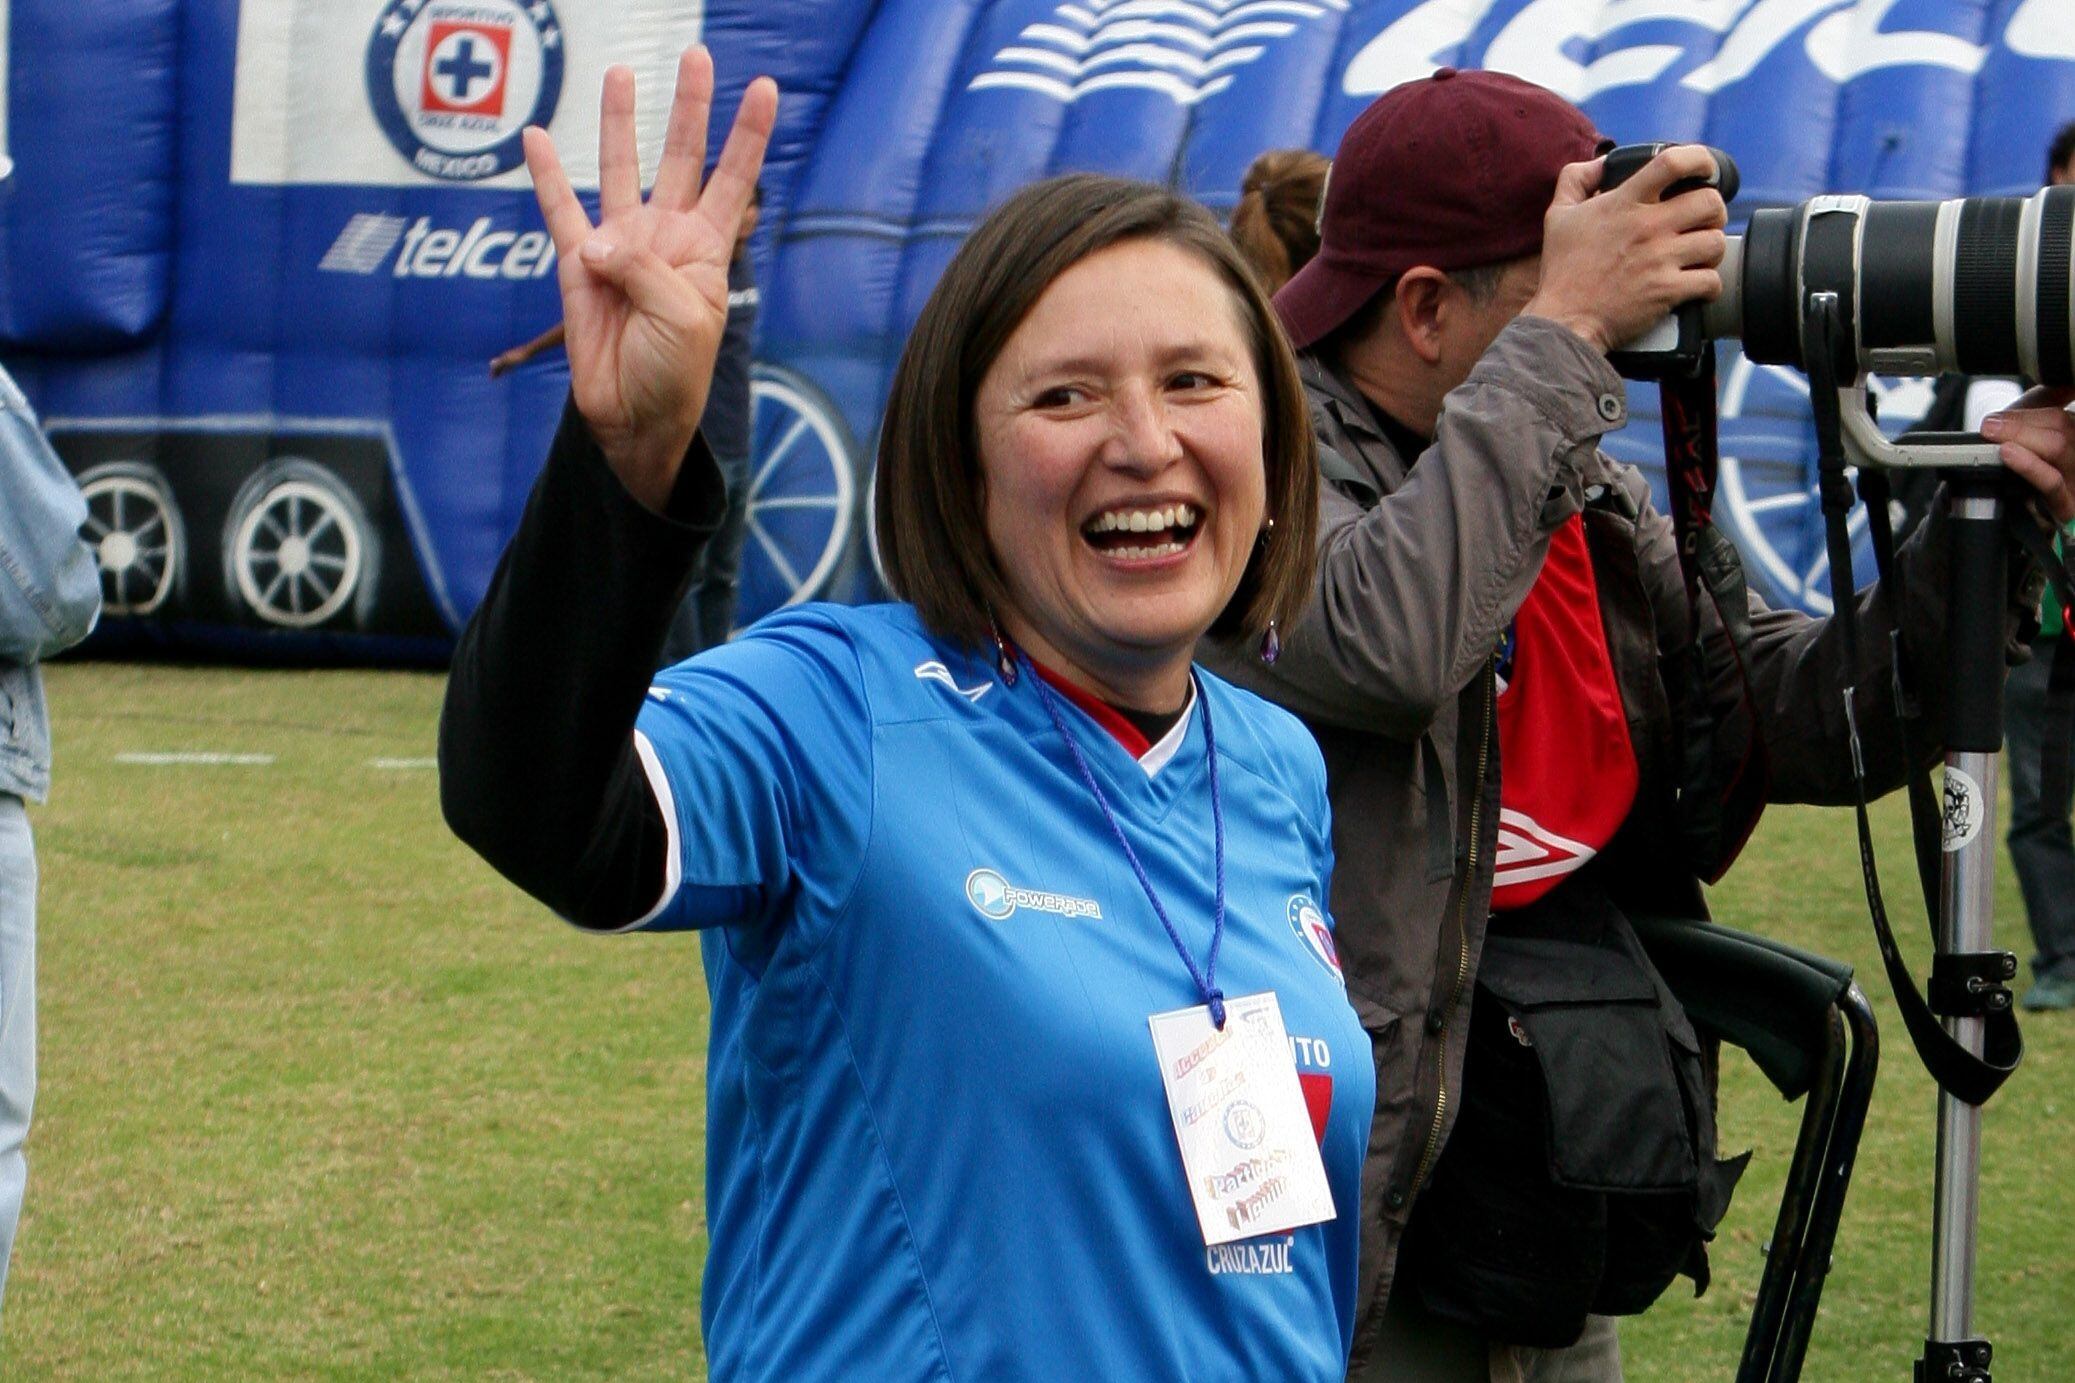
1692,465
1957,1070
1724,773
1926,830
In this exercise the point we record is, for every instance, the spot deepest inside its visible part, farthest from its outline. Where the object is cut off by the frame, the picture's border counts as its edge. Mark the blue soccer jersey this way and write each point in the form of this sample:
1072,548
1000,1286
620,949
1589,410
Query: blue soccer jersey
938,1142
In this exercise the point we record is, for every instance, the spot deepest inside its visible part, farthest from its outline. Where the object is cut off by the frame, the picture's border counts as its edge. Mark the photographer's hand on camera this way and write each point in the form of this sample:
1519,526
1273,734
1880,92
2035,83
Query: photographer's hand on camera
1613,264
2036,439
645,291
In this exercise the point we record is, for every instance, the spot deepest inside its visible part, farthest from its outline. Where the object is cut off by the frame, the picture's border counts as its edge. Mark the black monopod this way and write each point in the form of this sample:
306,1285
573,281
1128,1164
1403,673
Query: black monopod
1841,287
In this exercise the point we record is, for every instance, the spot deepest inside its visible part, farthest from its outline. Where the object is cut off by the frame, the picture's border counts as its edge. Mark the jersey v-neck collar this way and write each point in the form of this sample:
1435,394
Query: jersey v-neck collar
1151,756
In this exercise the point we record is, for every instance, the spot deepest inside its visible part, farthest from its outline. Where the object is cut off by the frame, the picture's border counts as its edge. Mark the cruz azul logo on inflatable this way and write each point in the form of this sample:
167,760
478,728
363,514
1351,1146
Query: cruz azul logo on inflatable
453,82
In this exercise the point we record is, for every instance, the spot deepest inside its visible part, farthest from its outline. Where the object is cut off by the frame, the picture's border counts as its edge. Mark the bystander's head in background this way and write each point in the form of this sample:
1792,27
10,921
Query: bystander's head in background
1275,224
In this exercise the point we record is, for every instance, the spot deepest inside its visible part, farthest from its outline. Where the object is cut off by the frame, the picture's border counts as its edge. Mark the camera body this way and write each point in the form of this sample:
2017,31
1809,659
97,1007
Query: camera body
1672,348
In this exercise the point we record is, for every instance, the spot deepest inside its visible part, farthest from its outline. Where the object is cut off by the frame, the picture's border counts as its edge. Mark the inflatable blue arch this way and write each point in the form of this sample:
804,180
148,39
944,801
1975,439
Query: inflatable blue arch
256,254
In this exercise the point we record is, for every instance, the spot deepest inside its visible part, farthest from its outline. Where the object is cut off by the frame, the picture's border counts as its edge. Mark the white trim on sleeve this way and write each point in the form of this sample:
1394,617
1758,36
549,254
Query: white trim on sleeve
673,852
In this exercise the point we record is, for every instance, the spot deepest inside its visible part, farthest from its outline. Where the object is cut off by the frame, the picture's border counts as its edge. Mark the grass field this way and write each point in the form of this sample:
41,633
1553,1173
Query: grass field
321,1097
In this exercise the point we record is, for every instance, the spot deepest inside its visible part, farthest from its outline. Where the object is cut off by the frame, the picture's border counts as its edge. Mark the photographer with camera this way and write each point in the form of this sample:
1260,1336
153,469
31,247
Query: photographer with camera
1493,589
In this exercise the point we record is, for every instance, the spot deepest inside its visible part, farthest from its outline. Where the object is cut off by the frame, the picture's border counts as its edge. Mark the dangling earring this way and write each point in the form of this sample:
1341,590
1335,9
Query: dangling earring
1004,660
1271,642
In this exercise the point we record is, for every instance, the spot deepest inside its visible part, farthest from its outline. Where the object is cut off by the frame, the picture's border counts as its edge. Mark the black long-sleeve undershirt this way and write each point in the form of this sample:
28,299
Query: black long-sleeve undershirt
537,765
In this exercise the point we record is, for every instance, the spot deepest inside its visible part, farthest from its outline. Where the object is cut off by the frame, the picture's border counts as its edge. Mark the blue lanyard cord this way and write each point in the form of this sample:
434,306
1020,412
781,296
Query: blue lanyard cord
1206,978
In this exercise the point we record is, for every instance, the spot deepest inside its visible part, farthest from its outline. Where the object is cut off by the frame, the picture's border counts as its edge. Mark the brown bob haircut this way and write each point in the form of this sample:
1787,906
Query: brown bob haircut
928,515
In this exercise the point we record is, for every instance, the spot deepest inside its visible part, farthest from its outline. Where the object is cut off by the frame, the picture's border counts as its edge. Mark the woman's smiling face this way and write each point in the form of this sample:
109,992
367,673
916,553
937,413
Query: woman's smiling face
1120,435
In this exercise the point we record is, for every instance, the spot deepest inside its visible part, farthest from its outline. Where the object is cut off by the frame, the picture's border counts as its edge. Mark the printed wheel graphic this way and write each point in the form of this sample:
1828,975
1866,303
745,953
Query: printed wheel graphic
298,547
1769,495
802,492
139,541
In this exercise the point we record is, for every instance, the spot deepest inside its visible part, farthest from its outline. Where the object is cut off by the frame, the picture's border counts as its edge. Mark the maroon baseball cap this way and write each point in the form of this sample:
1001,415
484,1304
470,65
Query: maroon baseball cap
1451,171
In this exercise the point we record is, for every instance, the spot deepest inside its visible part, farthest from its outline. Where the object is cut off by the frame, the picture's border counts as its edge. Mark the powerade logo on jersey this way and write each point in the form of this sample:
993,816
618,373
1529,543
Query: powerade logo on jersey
453,82
997,898
1309,923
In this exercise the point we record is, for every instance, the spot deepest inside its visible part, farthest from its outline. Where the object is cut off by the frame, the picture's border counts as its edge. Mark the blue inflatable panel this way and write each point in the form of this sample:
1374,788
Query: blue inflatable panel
258,323
86,217
1641,94
2026,81
1882,145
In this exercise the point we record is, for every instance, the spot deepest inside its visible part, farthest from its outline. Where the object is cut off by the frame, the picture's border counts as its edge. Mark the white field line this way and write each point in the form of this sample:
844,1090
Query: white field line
211,758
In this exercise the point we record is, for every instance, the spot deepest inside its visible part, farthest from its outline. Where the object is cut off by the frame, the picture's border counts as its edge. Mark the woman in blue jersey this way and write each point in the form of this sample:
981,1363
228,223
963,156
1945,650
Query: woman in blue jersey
1030,1053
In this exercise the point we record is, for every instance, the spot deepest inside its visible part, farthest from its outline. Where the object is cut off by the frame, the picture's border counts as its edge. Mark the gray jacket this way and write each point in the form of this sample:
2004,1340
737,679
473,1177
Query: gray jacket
1421,569
50,592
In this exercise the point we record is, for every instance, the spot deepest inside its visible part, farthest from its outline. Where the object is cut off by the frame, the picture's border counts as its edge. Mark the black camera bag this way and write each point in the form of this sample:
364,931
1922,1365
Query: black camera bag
1581,1176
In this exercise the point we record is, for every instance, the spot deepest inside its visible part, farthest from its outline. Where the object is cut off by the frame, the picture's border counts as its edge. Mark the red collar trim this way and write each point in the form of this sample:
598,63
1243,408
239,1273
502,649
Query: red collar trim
1101,712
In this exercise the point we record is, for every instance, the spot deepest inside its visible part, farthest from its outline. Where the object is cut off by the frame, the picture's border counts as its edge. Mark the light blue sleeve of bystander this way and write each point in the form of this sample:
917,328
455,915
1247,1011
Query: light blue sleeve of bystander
50,592
50,596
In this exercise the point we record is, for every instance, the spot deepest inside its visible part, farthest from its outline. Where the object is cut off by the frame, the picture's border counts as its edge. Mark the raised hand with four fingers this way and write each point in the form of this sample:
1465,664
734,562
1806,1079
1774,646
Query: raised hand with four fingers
645,291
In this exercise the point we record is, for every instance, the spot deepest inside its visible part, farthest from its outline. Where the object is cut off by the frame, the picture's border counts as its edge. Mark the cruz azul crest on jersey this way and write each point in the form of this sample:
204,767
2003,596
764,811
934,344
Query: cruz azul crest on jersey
1308,921
453,82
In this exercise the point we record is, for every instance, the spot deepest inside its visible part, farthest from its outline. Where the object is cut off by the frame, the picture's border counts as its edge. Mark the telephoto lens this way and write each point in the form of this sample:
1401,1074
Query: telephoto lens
1977,285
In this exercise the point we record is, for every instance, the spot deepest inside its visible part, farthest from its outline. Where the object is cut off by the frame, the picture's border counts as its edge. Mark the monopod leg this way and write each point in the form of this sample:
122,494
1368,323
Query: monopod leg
1953,1351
